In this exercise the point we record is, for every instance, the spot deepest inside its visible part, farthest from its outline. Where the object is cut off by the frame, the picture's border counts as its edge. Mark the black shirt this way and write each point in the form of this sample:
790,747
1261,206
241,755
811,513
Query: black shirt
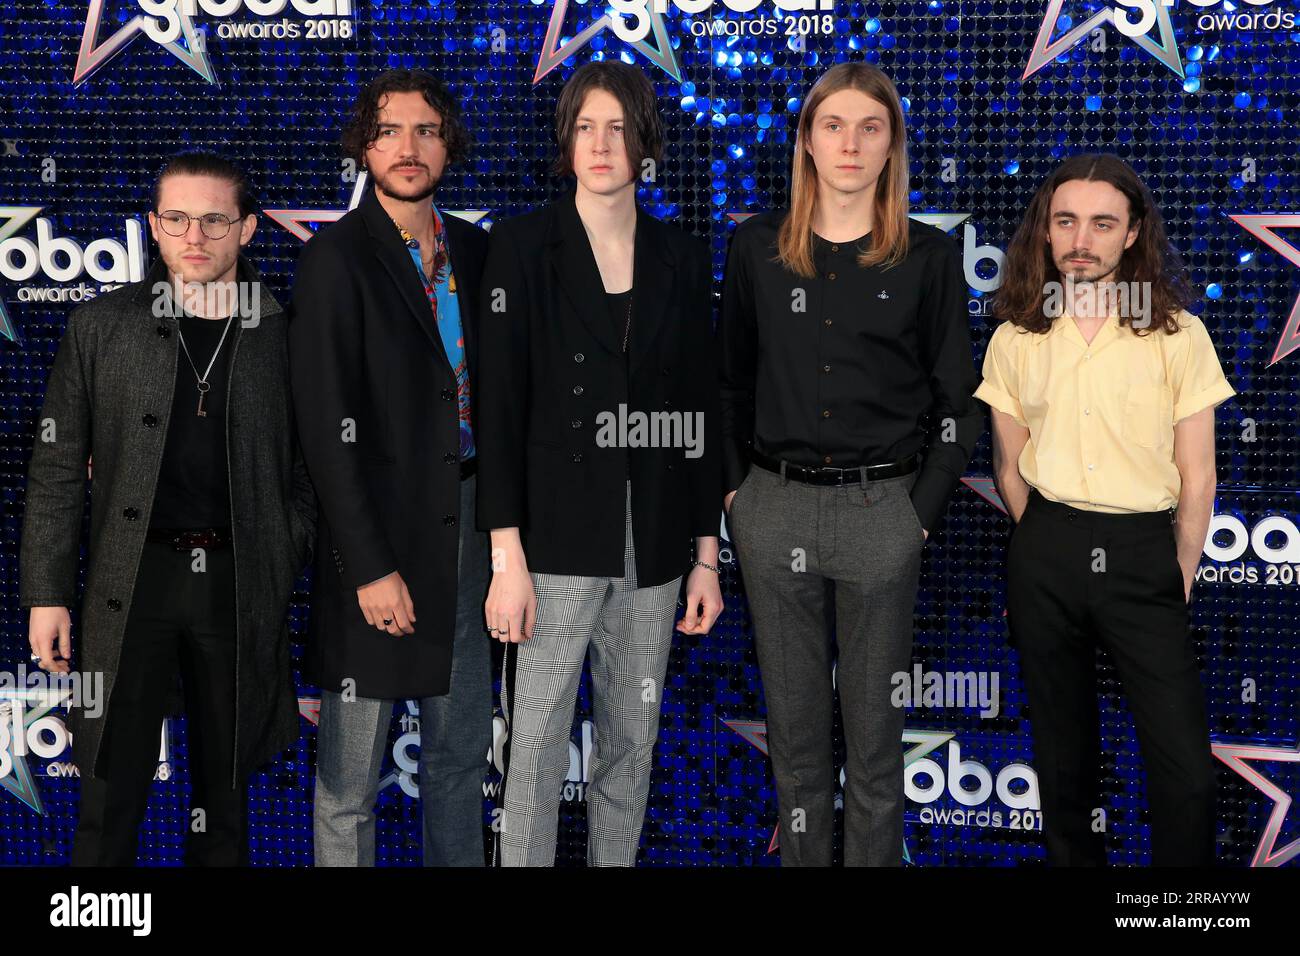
852,367
193,484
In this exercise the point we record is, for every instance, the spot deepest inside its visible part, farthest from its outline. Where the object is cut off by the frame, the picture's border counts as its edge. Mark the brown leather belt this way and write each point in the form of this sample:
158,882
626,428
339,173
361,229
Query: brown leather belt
183,539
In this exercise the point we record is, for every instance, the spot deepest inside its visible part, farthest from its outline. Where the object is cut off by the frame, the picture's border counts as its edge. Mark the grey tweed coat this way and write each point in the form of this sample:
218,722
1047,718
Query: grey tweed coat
109,395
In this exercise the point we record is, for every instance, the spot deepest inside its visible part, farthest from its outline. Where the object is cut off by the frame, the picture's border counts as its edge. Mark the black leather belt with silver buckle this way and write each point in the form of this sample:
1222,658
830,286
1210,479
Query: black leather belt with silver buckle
467,467
835,476
182,539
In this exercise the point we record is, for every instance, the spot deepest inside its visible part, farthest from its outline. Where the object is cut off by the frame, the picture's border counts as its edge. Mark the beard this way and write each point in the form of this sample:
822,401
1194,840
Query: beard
390,185
1094,271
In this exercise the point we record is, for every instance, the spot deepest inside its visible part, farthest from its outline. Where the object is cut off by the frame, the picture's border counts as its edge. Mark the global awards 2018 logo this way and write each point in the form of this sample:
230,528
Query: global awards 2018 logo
167,22
635,21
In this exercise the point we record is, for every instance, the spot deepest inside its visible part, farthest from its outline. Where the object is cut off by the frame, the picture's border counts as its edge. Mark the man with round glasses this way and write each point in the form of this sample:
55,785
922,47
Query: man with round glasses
177,390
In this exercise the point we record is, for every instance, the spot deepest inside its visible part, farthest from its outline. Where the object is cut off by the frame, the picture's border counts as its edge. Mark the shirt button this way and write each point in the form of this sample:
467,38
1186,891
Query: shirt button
827,459
1087,411
576,423
831,276
835,248
828,321
579,357
826,413
577,458
1090,467
1087,355
577,390
826,368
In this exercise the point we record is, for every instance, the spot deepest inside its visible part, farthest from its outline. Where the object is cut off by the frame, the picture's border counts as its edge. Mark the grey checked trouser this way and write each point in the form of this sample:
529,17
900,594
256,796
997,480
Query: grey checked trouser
629,633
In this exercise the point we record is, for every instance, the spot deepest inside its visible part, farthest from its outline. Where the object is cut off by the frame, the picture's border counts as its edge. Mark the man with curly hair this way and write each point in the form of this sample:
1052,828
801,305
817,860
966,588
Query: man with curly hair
383,354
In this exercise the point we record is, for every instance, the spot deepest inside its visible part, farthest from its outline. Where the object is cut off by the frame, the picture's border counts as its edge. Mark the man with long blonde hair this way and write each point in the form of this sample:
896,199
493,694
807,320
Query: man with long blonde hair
847,379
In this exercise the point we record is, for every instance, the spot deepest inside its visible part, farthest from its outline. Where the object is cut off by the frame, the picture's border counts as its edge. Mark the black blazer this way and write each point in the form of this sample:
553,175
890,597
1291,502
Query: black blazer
552,361
375,398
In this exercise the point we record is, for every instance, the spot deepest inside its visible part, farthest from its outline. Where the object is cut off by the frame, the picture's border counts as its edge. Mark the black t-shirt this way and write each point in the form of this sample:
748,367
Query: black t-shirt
193,485
619,303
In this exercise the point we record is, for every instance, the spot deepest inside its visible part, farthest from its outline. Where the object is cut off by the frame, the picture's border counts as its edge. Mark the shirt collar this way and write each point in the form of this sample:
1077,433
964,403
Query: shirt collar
409,240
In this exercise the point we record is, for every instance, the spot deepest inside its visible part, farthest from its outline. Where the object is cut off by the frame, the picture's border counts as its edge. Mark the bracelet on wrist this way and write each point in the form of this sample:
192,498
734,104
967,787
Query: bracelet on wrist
704,564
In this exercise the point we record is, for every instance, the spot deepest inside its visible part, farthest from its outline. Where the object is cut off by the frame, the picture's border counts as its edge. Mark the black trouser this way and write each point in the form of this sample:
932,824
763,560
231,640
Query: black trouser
181,621
1077,579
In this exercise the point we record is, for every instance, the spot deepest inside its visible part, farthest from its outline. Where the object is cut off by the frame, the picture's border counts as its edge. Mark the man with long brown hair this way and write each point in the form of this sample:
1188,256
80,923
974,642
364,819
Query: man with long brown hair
1102,389
847,380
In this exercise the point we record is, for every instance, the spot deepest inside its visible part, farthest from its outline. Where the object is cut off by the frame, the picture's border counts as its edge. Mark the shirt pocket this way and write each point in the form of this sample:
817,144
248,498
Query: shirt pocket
1148,415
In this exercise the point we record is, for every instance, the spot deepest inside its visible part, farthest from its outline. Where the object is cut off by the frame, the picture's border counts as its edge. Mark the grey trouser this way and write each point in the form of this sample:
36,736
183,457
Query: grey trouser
859,546
629,632
455,733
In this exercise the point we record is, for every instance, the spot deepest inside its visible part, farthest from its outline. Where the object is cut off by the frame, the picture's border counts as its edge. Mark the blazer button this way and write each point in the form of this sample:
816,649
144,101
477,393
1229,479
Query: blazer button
164,332
670,467
149,421
577,390
575,424
114,604
579,357
449,458
577,458
448,519
447,394
668,403
666,371
130,514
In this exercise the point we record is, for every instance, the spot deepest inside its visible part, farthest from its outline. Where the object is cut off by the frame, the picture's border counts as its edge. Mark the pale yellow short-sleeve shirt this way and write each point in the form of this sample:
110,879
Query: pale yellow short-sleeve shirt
1101,415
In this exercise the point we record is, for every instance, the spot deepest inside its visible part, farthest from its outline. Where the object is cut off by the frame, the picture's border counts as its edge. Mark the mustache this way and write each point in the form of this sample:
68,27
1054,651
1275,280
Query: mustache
1076,254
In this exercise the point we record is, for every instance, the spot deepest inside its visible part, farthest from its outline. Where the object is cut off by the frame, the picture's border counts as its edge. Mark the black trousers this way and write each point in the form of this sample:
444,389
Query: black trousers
1077,580
182,621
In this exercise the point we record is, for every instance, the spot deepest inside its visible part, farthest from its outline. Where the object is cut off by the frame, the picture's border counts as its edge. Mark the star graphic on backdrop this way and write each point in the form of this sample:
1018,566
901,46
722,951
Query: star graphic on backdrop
1045,49
1267,852
13,218
36,704
754,732
554,53
986,489
1261,227
94,54
304,222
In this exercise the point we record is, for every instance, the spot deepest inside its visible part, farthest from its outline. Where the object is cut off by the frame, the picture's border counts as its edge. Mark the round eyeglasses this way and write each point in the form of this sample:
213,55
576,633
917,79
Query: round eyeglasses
176,223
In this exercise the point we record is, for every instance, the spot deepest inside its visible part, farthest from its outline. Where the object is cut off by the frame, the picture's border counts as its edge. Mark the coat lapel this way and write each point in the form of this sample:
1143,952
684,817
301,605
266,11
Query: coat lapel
396,260
466,293
574,264
652,286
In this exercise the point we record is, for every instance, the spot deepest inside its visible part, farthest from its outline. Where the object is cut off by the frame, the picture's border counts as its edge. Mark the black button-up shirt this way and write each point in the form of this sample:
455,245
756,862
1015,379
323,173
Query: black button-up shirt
852,367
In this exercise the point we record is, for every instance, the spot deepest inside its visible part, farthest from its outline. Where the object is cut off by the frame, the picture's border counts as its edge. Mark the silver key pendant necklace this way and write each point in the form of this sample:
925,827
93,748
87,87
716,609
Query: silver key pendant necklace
203,385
